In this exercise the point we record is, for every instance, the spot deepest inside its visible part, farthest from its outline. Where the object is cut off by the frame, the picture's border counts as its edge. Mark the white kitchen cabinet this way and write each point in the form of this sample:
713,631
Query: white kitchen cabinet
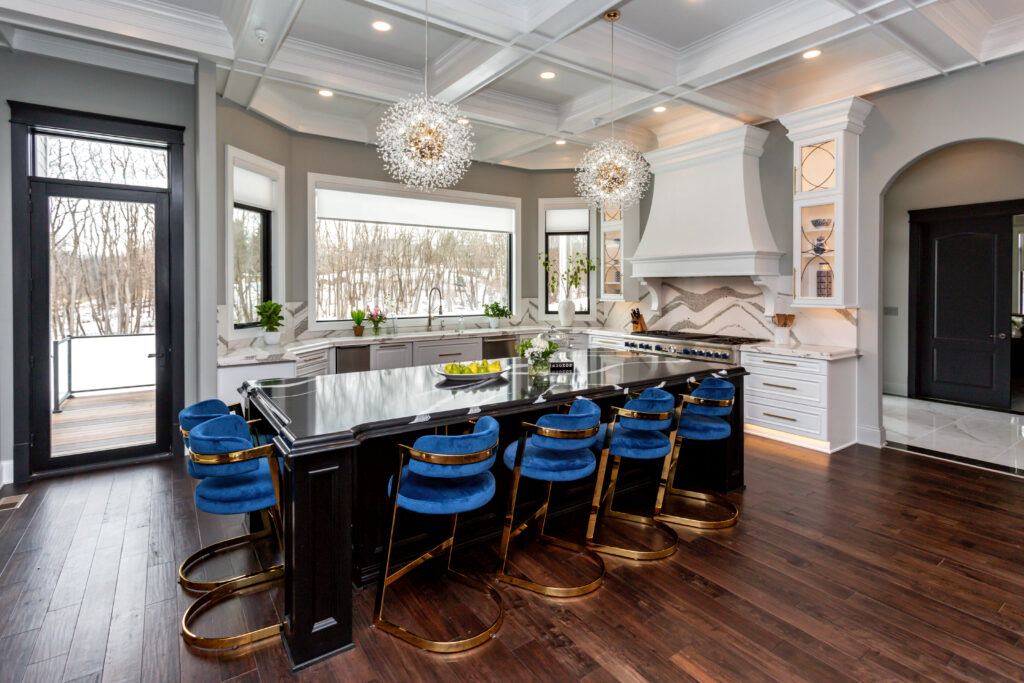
619,233
230,378
391,355
805,401
826,163
313,363
447,351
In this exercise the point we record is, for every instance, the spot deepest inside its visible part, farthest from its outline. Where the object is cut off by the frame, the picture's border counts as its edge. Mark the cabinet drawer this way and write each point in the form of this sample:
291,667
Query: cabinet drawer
387,356
788,386
767,363
312,363
457,351
807,421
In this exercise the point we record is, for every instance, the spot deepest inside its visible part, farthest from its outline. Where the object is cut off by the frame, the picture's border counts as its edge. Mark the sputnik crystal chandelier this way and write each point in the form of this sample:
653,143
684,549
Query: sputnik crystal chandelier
613,173
421,140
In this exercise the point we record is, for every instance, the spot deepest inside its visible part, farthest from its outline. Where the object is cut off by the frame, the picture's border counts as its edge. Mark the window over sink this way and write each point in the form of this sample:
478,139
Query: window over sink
380,244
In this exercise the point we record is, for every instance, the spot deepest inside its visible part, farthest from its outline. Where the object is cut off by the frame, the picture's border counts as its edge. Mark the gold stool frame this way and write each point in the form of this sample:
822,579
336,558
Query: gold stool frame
446,547
540,516
708,498
602,504
222,590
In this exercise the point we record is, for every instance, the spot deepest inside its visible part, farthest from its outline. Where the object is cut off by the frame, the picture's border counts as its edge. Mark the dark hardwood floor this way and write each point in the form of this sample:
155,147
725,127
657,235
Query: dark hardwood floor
867,565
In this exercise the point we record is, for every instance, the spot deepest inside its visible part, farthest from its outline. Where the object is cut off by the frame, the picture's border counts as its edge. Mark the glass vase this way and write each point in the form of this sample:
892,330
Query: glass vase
541,366
376,330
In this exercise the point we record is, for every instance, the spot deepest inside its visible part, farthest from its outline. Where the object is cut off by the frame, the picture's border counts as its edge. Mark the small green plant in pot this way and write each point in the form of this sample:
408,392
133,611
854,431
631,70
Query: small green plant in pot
270,320
495,312
358,316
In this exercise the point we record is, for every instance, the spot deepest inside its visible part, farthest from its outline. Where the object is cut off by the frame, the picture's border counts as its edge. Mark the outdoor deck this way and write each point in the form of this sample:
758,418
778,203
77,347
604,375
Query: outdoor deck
103,421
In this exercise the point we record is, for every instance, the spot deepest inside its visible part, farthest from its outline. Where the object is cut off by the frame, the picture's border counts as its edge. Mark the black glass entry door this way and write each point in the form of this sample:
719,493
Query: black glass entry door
100,324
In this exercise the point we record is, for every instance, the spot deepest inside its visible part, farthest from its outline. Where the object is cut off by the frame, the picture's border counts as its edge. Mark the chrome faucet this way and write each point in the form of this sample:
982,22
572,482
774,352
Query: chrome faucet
430,307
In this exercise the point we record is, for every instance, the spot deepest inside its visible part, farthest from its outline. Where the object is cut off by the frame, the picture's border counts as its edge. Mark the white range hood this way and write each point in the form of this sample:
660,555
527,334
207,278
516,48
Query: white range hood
707,215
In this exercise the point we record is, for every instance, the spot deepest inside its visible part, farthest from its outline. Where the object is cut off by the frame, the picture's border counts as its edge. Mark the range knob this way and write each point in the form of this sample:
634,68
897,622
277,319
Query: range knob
657,347
717,354
700,353
687,352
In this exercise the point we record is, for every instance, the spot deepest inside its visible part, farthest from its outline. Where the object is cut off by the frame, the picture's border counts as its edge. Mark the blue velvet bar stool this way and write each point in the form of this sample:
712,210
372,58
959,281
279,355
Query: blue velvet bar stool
196,414
556,448
219,442
702,419
441,475
644,429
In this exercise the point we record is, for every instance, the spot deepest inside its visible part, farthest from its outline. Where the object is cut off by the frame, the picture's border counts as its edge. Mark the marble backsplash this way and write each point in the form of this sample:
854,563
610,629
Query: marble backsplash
718,305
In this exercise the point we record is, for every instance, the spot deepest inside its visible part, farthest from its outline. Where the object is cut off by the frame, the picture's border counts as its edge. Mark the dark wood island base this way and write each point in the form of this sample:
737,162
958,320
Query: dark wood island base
339,436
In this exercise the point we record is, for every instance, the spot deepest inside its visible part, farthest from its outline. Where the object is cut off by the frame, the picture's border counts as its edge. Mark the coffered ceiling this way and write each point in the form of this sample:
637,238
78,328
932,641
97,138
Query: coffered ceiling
713,64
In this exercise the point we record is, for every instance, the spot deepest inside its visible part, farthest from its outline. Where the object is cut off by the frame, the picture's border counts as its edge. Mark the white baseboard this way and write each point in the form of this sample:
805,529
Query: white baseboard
871,436
6,472
786,437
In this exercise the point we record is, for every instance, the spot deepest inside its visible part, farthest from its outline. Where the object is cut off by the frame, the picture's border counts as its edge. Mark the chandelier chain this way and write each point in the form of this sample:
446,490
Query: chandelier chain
611,82
426,44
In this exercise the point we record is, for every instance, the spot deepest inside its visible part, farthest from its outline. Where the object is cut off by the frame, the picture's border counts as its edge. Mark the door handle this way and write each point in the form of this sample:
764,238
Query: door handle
155,355
1001,335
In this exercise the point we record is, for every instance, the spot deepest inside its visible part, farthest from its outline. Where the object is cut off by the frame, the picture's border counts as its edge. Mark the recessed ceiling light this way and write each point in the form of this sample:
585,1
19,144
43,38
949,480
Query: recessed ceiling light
811,54
381,26
324,92
660,108
559,141
547,75
463,121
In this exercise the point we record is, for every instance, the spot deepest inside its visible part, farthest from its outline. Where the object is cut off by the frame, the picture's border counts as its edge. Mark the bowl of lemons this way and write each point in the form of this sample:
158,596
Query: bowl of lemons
470,372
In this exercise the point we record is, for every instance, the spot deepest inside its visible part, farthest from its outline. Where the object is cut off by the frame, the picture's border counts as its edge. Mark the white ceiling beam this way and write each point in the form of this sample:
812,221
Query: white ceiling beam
965,23
880,26
264,30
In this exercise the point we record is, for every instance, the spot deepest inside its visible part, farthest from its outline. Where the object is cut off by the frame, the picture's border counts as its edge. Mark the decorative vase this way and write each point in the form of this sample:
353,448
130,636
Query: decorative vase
566,312
541,366
495,323
272,338
358,330
376,329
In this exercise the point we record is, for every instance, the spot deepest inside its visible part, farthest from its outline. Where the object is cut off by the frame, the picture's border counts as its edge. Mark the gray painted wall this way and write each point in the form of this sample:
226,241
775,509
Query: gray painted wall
302,154
982,102
965,173
58,83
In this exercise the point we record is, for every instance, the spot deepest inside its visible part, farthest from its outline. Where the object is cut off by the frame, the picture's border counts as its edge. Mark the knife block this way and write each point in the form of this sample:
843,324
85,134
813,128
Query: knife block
639,324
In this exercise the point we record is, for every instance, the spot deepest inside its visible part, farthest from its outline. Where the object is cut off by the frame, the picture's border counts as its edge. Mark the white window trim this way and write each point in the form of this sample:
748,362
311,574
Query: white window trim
276,172
345,184
543,205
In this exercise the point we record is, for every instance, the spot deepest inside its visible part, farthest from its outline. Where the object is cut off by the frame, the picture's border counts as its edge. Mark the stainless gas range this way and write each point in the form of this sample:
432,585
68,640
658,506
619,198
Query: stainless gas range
696,345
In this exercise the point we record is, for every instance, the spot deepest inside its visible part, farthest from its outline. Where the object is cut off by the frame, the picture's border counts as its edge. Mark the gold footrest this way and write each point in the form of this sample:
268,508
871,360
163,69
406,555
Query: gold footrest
449,646
708,499
559,591
219,594
211,550
633,553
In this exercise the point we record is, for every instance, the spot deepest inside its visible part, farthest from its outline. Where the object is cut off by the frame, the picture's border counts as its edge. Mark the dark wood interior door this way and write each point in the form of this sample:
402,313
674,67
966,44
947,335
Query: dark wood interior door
962,301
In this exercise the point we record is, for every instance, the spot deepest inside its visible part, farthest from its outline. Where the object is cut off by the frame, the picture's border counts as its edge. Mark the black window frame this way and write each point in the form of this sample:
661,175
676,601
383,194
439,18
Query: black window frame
267,254
547,277
510,236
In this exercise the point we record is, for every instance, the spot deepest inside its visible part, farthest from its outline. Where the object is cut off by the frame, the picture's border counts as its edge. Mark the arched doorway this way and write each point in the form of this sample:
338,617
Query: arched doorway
963,173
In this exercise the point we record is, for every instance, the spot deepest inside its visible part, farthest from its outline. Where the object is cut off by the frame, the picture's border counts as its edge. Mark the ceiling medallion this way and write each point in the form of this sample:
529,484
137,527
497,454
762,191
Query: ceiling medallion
613,174
425,142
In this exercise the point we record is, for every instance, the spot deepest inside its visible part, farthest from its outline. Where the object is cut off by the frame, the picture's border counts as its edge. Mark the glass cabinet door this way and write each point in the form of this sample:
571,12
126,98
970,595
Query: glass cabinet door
816,169
611,261
815,271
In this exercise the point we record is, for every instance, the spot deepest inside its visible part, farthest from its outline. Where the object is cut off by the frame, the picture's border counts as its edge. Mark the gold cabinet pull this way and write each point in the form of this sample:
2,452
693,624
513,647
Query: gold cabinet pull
781,417
779,386
780,362
392,346
446,355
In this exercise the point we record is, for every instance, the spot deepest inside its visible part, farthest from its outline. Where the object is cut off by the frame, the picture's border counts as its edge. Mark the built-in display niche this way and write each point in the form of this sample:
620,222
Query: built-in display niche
826,165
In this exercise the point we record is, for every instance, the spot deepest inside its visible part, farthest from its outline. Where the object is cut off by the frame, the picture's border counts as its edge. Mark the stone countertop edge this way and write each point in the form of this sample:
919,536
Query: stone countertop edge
287,353
803,351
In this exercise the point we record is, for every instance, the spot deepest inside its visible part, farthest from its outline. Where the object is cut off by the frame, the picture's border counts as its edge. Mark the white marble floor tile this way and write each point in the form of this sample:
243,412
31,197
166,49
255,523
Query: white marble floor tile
956,439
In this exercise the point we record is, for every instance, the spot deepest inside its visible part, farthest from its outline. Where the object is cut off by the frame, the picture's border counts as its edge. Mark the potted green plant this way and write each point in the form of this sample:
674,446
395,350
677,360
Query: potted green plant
270,320
567,281
495,312
358,316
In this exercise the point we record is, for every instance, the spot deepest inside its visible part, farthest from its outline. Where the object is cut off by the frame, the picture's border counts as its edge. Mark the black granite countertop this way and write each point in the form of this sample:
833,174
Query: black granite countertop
338,408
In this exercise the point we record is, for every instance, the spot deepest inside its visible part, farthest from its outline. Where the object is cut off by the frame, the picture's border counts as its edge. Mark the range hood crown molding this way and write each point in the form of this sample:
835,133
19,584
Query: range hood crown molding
848,114
707,214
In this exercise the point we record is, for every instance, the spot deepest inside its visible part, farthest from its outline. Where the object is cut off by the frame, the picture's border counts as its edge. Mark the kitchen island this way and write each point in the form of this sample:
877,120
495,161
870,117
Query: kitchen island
338,435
